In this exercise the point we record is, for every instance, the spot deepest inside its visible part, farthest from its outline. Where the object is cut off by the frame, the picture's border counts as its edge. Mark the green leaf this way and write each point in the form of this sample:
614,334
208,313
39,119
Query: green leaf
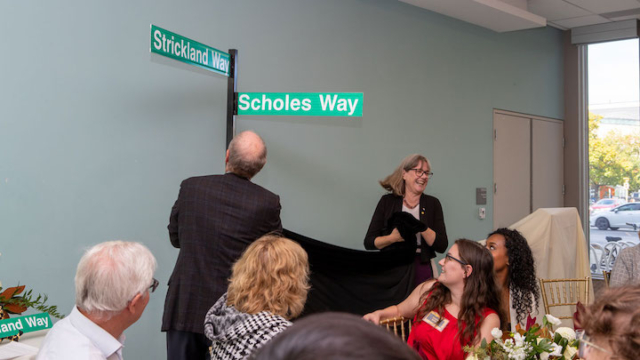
564,342
575,343
544,345
556,338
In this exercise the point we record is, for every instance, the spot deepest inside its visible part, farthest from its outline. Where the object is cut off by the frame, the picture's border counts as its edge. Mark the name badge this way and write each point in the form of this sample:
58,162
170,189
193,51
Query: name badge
433,319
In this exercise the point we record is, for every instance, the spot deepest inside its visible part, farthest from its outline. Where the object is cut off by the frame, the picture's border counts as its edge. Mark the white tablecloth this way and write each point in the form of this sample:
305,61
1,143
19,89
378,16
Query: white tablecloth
34,339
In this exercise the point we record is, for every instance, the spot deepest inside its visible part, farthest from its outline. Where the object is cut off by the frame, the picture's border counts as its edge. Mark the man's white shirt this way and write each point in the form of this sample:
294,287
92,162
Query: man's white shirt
77,337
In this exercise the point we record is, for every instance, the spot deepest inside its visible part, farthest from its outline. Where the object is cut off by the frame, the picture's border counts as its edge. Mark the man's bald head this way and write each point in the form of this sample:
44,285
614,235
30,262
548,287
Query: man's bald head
246,155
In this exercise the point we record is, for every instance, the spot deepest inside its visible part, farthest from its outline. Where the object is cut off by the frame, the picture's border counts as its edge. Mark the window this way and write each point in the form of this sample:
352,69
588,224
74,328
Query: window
613,144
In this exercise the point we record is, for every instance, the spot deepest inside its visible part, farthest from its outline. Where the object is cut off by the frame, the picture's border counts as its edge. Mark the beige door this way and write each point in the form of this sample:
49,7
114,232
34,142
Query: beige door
527,165
547,154
511,169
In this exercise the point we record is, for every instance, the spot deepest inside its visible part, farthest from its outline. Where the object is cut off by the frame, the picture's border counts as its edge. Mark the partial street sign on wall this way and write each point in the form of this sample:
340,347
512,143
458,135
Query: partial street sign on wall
183,49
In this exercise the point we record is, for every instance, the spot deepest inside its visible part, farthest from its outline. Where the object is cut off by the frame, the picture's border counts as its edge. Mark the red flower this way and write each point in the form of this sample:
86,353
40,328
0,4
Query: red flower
530,322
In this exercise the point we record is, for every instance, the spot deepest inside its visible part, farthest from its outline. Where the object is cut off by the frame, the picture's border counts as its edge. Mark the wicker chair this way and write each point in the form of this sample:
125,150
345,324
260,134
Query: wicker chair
393,324
563,295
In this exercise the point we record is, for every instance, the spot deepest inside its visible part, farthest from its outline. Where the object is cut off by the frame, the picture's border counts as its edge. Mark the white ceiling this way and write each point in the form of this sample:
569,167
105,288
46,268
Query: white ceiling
511,15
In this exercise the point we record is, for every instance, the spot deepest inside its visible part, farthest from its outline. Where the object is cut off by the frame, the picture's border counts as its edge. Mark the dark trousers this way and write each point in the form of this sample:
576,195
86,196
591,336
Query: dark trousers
423,271
186,345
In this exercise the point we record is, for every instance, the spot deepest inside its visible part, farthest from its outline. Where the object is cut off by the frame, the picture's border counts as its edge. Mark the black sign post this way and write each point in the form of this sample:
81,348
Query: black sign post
232,83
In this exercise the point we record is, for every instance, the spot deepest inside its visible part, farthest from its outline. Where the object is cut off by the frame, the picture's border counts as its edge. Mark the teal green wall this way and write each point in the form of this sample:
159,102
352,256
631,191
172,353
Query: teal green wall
96,133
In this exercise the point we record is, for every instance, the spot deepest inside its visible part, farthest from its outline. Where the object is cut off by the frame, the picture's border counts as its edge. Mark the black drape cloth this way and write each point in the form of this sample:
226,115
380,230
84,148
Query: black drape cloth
355,281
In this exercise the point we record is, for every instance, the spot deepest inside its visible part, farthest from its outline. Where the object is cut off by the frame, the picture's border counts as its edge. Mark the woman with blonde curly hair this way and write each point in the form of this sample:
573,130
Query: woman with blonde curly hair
268,287
612,325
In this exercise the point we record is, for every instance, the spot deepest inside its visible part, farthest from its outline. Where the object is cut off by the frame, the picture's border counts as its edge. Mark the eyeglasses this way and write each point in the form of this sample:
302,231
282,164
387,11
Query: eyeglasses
420,172
585,343
449,257
154,285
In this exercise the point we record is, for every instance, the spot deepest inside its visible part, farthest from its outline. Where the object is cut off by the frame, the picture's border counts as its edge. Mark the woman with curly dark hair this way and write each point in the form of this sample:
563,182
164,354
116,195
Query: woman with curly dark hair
516,275
460,308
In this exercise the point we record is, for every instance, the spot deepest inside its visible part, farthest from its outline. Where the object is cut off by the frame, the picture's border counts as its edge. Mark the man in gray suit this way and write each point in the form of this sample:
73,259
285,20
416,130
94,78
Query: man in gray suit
626,270
213,220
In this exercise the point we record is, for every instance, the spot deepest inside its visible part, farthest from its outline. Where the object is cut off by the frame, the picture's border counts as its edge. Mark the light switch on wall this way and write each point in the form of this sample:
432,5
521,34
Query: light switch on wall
481,213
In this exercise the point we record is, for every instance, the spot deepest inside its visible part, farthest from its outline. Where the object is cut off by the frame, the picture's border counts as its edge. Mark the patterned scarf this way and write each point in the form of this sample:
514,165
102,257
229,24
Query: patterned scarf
235,335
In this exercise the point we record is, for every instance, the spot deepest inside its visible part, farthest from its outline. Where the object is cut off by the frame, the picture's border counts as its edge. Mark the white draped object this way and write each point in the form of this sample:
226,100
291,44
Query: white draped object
558,244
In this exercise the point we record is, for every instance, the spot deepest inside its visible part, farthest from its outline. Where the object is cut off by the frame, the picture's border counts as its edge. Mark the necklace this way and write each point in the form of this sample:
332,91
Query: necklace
409,205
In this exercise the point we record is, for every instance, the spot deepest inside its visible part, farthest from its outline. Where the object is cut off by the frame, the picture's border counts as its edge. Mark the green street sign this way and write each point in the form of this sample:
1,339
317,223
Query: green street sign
12,326
183,49
300,104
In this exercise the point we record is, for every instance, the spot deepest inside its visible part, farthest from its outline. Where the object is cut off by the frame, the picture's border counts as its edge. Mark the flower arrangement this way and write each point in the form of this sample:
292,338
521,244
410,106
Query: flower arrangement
12,302
536,343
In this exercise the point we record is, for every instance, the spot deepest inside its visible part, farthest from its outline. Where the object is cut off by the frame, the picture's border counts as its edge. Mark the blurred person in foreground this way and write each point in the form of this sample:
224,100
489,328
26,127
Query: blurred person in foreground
268,287
113,284
460,308
611,325
335,336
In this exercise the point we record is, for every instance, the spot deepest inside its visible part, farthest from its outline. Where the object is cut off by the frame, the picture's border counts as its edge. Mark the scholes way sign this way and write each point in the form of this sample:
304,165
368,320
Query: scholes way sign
183,49
300,104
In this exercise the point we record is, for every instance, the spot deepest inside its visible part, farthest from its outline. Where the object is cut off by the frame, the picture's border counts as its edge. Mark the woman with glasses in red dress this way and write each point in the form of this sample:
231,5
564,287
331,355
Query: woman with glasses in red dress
460,308
611,326
406,187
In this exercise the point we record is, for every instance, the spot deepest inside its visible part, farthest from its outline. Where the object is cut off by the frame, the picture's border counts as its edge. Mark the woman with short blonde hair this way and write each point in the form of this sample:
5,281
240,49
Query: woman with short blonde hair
272,275
268,287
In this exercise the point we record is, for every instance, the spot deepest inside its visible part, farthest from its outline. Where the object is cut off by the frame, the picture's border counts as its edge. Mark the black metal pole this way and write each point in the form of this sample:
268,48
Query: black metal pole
232,101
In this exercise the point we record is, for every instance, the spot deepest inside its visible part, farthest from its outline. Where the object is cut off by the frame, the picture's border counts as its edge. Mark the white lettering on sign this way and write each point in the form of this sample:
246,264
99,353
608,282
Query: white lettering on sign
185,51
330,103
219,62
37,322
243,102
264,103
11,326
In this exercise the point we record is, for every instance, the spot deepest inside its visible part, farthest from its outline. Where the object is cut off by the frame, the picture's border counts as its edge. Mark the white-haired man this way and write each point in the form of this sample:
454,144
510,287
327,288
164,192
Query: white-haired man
113,283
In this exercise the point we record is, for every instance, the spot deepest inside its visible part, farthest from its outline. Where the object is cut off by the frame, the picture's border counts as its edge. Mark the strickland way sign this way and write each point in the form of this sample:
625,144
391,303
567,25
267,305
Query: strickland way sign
12,326
183,49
